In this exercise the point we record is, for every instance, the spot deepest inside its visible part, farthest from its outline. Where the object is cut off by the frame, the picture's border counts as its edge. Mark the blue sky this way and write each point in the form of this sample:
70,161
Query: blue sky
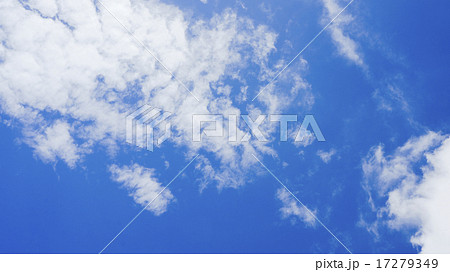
376,82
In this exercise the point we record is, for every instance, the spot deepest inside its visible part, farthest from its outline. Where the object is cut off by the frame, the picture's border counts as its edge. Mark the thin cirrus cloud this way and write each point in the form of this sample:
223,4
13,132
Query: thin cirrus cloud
407,188
348,40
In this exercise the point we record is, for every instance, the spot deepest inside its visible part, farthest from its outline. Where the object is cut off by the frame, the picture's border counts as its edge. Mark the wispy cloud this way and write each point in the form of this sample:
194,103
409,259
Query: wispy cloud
347,47
291,208
143,186
326,156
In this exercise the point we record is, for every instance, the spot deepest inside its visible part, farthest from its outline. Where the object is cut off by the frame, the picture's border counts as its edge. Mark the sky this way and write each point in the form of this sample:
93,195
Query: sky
375,80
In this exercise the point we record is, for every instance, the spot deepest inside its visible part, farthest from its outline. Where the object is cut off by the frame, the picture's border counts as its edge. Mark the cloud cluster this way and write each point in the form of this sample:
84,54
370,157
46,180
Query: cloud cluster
70,74
409,188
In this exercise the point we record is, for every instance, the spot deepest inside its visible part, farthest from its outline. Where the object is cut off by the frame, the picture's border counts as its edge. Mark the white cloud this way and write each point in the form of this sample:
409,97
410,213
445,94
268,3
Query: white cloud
204,1
79,64
47,8
56,142
67,67
346,46
143,186
326,156
385,171
415,183
292,209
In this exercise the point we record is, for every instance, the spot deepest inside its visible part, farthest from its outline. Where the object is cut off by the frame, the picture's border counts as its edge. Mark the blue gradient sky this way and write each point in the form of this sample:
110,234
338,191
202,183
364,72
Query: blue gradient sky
52,208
